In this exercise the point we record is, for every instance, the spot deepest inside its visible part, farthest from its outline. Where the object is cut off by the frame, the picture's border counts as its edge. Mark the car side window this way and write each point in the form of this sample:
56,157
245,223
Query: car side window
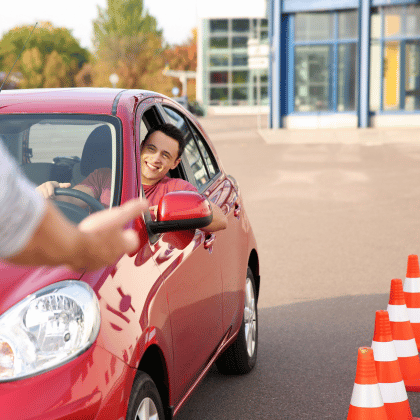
192,151
207,154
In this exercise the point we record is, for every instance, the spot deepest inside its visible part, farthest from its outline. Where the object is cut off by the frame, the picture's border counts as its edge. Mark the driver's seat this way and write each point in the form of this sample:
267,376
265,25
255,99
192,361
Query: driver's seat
97,153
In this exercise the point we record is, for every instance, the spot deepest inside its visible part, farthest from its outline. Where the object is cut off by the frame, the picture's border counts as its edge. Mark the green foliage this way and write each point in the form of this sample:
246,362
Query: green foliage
47,45
121,19
127,42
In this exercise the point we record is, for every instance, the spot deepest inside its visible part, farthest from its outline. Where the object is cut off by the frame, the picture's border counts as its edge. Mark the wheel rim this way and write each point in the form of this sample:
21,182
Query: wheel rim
250,318
147,410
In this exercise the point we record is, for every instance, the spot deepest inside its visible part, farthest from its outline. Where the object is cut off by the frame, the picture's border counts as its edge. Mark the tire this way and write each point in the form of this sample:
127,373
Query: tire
241,356
145,402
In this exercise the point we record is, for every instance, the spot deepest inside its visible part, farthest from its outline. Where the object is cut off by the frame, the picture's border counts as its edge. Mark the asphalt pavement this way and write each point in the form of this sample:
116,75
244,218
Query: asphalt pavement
334,221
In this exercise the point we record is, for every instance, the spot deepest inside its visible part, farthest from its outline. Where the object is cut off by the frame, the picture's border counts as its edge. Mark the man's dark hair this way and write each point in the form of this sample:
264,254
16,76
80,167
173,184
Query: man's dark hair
171,131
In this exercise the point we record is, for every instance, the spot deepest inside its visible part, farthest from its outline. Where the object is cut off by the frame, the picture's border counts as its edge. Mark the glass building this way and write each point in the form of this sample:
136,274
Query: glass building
344,63
233,62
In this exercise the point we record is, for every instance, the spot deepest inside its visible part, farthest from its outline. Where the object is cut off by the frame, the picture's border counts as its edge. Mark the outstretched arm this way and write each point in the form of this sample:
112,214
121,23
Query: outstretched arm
99,240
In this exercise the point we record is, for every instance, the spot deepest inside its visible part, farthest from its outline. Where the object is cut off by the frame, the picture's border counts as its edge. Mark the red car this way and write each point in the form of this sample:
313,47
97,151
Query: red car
133,340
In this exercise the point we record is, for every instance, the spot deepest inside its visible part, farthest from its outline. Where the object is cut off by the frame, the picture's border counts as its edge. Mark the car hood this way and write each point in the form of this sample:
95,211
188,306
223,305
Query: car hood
18,282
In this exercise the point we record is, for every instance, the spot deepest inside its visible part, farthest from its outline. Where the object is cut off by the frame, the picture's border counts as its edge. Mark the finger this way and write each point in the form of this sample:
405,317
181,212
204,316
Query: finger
64,185
127,212
50,189
115,218
131,240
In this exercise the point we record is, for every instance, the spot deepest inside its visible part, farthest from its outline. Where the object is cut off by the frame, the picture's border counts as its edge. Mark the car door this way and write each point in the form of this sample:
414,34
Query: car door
224,192
190,267
230,241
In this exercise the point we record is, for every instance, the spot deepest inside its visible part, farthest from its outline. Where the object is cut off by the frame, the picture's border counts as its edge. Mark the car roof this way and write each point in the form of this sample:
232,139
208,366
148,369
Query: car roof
68,100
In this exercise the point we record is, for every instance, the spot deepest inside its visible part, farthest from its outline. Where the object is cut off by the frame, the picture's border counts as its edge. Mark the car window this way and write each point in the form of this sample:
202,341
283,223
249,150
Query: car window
60,148
192,151
143,130
206,153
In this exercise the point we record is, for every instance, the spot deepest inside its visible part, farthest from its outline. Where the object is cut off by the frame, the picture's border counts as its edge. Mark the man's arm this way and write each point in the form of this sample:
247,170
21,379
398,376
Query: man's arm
99,240
219,221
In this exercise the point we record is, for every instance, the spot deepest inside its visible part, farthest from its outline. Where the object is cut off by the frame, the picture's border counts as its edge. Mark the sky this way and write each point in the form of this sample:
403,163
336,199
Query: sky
176,17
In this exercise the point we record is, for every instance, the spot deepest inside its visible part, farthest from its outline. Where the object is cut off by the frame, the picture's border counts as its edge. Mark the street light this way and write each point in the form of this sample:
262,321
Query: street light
113,78
175,91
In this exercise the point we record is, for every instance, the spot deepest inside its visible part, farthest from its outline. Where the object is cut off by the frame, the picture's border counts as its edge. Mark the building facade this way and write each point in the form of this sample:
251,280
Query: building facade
344,63
233,59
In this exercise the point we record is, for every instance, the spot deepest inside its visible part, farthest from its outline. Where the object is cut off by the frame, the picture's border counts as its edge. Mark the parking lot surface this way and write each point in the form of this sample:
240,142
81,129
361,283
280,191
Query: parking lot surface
335,222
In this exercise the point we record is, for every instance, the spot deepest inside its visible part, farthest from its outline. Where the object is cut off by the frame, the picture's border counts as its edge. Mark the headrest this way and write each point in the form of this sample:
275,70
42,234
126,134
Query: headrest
97,152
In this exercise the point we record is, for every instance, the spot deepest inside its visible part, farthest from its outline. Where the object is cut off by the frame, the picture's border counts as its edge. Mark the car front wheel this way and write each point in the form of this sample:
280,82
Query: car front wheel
241,356
145,402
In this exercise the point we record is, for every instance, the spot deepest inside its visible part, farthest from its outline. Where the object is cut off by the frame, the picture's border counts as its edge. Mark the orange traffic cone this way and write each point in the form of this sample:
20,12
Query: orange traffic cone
388,370
412,295
403,336
366,400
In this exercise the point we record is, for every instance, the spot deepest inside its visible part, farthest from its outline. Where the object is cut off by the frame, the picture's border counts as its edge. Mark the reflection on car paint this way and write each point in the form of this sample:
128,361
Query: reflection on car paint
144,276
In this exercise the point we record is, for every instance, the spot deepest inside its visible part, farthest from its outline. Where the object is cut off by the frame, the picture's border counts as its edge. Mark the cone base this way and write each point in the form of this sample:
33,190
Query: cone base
412,385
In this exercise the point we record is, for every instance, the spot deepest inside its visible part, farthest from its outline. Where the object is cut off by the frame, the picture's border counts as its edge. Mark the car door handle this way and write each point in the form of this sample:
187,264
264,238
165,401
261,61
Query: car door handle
237,210
209,241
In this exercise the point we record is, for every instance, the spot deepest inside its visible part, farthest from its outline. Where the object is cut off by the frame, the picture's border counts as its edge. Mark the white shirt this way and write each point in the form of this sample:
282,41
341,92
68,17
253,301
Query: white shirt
21,206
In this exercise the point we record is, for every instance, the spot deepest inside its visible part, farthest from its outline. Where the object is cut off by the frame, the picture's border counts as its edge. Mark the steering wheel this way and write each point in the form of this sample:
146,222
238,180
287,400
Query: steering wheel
88,199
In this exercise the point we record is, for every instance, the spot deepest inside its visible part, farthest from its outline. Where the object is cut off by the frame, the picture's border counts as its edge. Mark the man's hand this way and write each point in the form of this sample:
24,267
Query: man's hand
219,221
105,236
47,188
99,240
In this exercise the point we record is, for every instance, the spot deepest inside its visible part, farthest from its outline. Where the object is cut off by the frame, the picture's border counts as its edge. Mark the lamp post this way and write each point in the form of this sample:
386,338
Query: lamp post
182,75
113,78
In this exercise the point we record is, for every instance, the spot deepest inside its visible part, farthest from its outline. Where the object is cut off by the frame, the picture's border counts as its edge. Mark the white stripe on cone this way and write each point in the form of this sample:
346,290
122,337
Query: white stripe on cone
412,285
414,315
384,351
393,392
406,348
366,396
398,313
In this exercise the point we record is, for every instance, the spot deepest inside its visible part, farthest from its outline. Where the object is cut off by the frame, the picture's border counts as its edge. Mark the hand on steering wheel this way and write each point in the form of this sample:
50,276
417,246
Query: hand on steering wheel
88,199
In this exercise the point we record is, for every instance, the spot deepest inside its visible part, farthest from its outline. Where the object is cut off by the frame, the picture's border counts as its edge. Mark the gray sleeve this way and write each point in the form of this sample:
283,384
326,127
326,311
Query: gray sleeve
21,206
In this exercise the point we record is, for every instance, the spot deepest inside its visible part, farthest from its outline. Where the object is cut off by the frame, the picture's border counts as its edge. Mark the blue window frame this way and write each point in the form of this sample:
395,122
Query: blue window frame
323,57
395,59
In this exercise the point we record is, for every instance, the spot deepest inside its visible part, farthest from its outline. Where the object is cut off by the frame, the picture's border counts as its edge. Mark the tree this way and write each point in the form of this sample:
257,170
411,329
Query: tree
123,18
184,57
55,71
52,56
31,68
128,42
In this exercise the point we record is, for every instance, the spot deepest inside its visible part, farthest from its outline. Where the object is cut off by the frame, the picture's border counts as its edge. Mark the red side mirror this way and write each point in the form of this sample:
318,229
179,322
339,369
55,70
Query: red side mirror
182,210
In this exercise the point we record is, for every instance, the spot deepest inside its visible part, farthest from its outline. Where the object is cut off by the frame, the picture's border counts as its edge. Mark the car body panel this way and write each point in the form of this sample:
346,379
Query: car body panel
93,386
18,282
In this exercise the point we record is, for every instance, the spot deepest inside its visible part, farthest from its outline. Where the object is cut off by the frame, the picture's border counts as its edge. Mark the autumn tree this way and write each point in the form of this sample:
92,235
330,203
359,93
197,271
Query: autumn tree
127,42
183,57
52,57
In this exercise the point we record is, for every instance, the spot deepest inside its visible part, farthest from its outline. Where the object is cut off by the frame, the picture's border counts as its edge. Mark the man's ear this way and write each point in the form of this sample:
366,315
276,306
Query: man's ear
176,163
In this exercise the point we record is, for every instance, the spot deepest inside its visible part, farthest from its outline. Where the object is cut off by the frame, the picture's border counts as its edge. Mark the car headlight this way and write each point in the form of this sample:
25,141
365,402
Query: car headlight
47,329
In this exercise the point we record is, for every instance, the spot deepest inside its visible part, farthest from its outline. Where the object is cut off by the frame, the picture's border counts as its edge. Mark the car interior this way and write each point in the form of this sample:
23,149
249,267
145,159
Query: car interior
62,150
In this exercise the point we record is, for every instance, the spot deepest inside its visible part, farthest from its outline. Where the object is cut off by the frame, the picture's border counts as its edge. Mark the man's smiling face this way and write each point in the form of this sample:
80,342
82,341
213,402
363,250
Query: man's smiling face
159,154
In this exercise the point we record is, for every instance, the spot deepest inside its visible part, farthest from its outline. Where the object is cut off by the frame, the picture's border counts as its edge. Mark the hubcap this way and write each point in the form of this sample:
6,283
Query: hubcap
147,410
250,318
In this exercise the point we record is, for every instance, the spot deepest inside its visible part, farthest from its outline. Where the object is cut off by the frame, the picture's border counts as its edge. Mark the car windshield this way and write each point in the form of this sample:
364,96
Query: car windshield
64,148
